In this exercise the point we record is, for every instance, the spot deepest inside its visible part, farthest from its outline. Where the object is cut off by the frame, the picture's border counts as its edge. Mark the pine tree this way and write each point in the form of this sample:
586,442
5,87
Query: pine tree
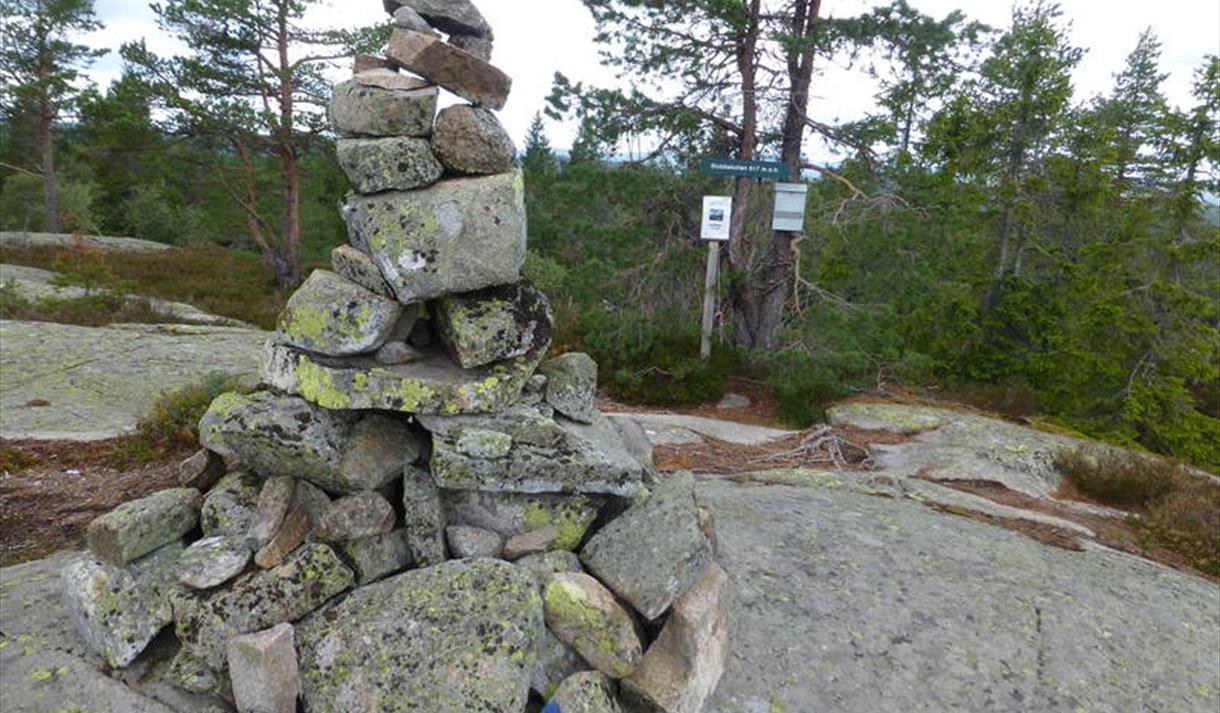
1136,113
40,77
256,84
539,159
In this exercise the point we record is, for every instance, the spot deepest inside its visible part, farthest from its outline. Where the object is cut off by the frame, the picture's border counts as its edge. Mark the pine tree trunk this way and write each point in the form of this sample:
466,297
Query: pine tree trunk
50,186
288,263
740,255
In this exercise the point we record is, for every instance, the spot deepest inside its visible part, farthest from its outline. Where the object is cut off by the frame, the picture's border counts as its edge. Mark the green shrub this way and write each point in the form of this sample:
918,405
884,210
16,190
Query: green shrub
1117,477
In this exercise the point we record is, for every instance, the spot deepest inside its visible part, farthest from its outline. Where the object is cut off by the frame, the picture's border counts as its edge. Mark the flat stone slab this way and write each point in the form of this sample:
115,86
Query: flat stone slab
959,445
847,602
34,283
672,428
60,381
23,239
433,384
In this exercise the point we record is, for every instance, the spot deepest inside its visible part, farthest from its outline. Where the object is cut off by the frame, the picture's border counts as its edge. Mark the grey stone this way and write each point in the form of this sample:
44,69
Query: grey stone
37,679
378,556
542,566
635,440
458,235
229,507
451,16
362,63
138,527
204,621
556,661
473,542
431,385
470,140
547,454
682,667
571,385
843,601
284,435
356,516
355,266
464,630
480,47
409,19
201,471
457,70
332,316
531,543
652,553
312,499
358,109
93,387
294,529
119,610
263,668
733,401
191,674
394,353
478,443
388,77
423,516
585,615
273,502
492,324
212,561
388,164
586,692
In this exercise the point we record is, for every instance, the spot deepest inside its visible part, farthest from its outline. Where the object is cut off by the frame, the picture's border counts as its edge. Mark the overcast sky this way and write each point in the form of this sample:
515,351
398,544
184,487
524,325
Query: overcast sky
536,38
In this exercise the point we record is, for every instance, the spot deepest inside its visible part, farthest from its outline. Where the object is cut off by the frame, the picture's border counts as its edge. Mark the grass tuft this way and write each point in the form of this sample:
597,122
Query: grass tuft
1175,507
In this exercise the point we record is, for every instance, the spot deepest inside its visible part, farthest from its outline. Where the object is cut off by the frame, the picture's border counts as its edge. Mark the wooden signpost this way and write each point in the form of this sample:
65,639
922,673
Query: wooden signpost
789,215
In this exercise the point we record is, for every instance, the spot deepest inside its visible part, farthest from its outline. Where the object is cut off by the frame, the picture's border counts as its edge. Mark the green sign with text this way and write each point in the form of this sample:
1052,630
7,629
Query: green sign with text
777,170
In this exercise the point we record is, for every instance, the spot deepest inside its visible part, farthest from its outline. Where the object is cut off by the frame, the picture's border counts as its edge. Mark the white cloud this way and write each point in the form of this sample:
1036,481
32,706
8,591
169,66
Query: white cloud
536,38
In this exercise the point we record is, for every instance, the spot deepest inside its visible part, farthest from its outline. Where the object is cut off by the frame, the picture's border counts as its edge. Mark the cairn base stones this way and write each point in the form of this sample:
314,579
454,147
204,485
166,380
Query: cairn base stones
418,510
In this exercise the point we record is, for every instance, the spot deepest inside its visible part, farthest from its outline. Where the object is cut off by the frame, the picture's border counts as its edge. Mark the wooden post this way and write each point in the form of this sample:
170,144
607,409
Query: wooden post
709,298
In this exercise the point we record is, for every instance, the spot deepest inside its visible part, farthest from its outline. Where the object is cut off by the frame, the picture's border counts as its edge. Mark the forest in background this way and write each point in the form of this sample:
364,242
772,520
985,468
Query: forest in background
991,237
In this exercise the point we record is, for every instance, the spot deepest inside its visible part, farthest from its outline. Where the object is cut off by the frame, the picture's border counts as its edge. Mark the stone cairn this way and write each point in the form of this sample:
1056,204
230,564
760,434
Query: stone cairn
419,512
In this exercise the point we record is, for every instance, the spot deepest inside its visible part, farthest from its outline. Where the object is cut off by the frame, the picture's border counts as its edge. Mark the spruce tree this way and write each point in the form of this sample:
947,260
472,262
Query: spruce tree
539,159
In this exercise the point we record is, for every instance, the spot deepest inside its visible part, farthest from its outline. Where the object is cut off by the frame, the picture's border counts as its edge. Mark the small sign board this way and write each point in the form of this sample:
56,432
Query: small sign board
789,212
774,170
717,215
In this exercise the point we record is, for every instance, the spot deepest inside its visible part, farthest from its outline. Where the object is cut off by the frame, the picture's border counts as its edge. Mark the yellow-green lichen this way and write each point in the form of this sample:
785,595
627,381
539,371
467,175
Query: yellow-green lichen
568,604
317,384
570,518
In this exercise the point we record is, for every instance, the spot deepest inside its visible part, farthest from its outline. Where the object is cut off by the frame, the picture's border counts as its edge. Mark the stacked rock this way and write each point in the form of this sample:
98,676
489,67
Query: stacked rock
394,522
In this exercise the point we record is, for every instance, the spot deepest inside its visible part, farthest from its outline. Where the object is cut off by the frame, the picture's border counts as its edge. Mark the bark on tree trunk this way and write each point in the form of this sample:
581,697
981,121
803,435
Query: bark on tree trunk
50,187
739,254
288,264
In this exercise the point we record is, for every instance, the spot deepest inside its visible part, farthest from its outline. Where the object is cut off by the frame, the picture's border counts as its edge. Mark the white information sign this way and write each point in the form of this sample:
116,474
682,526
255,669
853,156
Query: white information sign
789,207
717,215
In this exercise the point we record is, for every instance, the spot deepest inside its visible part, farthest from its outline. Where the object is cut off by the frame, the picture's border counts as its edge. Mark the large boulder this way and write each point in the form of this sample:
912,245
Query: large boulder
360,109
333,316
470,140
463,73
682,667
396,163
118,611
511,514
654,551
284,435
138,527
455,637
458,235
585,615
492,324
431,384
205,621
423,517
546,455
571,385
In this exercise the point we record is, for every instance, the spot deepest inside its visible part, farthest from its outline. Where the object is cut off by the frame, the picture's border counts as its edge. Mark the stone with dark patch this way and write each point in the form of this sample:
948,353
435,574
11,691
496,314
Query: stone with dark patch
138,527
333,316
357,109
489,325
395,163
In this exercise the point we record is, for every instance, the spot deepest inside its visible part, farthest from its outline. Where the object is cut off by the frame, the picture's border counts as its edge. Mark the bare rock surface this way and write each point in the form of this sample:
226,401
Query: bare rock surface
60,381
845,599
